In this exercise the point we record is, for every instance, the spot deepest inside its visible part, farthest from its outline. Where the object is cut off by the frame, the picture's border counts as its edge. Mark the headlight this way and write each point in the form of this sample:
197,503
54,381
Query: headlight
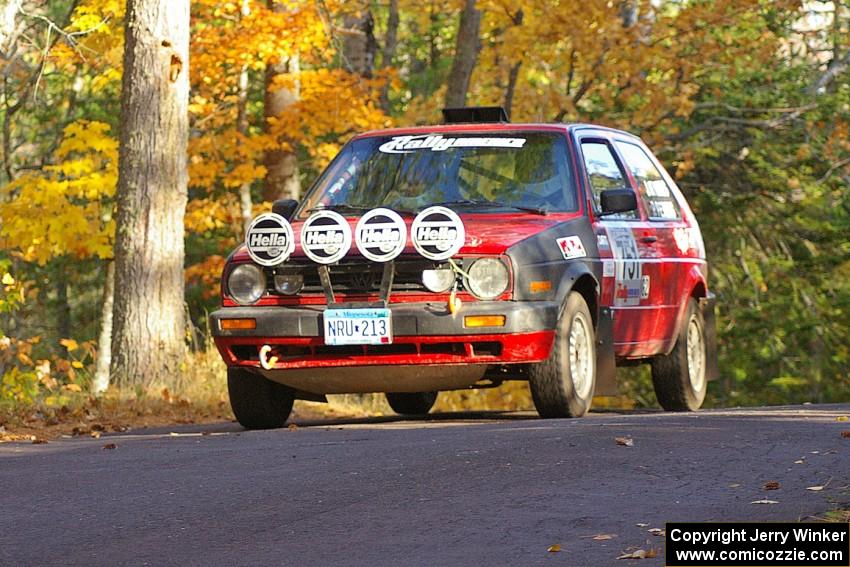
288,284
488,278
439,280
246,283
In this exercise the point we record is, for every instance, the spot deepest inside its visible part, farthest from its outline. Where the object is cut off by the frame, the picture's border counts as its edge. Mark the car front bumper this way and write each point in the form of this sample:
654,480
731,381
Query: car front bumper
424,334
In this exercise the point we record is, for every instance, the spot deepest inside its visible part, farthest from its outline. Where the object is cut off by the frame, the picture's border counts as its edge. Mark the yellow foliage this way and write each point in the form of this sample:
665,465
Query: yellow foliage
65,209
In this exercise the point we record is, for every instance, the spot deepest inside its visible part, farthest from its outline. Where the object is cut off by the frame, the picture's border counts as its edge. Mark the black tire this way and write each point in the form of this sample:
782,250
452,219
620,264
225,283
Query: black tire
553,389
680,380
418,403
257,402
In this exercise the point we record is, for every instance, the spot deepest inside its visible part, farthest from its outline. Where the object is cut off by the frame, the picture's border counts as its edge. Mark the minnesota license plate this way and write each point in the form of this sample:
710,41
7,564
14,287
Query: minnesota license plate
358,327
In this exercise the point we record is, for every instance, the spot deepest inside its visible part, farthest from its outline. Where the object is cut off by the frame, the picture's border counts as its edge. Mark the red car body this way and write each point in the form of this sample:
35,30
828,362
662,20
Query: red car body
637,275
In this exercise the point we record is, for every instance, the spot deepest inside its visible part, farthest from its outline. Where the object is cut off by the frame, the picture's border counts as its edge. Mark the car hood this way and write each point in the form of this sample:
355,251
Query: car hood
485,233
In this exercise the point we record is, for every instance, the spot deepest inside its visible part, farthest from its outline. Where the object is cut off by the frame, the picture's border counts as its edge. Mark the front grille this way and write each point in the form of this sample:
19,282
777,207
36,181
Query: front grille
357,275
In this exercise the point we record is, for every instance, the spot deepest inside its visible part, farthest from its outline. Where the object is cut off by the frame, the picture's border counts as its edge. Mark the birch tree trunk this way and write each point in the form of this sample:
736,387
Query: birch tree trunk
148,342
283,180
388,52
245,205
104,342
466,54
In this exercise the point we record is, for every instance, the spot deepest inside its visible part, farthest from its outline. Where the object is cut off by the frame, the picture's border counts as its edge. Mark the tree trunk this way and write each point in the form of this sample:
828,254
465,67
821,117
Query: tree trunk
8,25
388,53
148,342
358,43
104,342
510,90
282,176
245,206
63,308
466,53
629,13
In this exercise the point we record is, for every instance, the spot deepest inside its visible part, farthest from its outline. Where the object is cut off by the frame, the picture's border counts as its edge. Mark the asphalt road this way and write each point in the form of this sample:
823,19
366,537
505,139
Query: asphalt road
473,489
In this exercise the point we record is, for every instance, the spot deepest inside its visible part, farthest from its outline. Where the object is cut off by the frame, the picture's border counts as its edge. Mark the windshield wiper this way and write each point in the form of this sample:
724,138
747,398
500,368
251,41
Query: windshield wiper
341,207
345,207
493,204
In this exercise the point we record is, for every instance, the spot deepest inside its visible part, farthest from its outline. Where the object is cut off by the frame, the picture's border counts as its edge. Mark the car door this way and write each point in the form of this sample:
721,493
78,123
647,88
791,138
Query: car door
626,248
672,237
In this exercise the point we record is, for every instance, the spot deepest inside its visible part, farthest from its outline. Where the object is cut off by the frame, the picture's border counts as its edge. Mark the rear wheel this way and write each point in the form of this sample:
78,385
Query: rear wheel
680,377
418,403
257,402
562,385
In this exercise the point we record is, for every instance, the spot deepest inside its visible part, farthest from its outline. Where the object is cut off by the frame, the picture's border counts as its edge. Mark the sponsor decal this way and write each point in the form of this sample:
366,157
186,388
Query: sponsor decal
269,239
326,237
437,233
571,247
627,293
683,238
627,274
608,268
437,143
380,235
644,288
625,252
602,241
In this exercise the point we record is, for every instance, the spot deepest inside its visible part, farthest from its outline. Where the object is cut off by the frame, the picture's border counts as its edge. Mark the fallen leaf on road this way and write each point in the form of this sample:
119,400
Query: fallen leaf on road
845,434
110,446
625,441
764,502
95,434
554,548
800,462
292,427
600,537
841,418
640,554
736,485
657,532
815,488
38,440
771,485
641,525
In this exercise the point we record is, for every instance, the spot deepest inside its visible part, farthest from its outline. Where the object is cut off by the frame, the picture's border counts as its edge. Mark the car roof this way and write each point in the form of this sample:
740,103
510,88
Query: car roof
491,127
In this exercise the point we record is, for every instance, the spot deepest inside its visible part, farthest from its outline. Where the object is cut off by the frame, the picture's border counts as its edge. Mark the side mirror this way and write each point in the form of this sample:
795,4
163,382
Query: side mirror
285,207
618,201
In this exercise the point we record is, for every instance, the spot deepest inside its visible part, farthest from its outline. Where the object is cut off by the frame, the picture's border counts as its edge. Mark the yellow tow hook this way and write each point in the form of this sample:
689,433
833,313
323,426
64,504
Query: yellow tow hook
267,363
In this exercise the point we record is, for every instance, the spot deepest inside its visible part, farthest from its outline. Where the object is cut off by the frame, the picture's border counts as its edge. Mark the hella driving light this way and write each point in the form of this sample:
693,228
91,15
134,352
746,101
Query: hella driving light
246,283
288,284
487,278
438,281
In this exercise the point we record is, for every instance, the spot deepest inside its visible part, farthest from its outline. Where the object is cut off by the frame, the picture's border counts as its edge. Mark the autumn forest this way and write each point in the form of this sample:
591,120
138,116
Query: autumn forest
747,103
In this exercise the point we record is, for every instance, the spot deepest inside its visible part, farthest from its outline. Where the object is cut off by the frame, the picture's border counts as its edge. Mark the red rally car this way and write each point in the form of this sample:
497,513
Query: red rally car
466,254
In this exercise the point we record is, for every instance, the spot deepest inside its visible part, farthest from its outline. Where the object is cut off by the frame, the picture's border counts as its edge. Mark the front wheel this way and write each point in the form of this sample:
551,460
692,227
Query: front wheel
418,403
680,378
563,385
257,402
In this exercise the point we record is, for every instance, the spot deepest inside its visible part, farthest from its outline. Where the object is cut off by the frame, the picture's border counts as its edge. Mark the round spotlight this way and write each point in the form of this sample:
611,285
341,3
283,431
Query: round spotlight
288,284
439,280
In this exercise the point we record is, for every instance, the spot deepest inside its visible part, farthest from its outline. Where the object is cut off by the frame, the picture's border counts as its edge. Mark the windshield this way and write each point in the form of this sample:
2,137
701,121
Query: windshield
485,172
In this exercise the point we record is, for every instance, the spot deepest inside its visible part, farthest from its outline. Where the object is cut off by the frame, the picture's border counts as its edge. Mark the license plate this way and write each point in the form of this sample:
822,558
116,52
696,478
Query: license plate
358,327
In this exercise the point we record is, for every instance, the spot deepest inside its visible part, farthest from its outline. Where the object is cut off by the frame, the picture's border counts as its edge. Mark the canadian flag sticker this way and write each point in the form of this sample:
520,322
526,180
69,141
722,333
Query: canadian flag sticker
571,247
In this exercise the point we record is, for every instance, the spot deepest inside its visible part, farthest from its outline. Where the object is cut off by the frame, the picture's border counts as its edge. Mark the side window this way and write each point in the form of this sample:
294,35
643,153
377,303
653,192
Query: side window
658,200
604,172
